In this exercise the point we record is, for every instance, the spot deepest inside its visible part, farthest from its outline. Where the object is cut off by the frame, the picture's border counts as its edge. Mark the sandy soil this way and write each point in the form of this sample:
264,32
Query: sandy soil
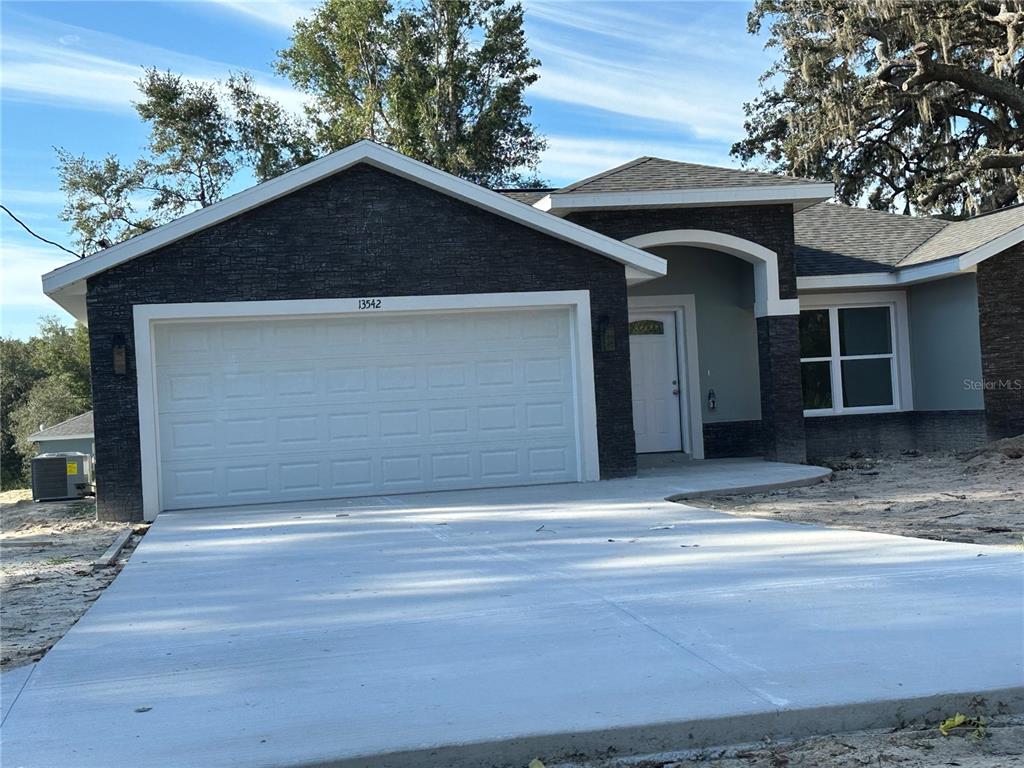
1001,746
47,579
976,497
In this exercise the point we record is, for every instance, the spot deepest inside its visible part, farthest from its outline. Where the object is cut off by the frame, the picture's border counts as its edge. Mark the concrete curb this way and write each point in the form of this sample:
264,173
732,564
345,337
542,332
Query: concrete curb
109,557
745,489
663,738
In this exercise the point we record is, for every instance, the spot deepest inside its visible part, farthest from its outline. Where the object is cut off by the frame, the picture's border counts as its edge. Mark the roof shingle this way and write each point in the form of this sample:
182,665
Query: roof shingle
646,174
528,196
962,236
835,239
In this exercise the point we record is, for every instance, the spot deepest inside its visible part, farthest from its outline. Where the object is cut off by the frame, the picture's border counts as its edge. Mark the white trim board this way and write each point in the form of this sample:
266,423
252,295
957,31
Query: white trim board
684,306
65,283
146,315
799,195
766,263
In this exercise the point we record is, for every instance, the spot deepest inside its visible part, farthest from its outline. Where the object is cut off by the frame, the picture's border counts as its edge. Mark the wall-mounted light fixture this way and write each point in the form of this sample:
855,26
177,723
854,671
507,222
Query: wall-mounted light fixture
605,334
119,355
712,401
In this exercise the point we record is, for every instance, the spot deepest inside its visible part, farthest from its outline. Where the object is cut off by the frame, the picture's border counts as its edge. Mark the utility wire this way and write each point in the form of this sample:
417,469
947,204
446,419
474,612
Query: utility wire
39,237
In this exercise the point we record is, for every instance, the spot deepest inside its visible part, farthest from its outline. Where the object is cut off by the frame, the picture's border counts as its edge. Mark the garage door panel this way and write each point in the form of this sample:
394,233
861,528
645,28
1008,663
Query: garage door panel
206,435
188,388
396,470
271,410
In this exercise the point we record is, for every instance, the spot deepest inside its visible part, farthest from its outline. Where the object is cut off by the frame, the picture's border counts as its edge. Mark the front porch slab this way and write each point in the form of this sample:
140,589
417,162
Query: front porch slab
717,477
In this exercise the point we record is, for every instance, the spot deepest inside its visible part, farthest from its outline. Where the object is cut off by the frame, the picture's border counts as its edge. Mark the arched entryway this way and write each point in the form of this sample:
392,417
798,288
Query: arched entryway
766,262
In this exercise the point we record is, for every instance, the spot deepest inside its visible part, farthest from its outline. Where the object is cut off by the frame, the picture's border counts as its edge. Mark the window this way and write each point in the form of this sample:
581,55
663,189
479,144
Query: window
849,359
647,328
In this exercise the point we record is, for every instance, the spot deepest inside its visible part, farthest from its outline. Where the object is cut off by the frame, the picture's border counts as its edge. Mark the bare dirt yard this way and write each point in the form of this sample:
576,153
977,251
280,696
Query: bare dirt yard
998,744
975,497
47,577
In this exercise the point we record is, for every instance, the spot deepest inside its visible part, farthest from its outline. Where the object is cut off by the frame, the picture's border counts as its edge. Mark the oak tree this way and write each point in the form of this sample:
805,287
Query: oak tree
905,105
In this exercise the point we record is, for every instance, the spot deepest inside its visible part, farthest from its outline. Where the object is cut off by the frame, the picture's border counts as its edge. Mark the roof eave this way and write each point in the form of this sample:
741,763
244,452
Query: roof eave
895,278
39,436
799,195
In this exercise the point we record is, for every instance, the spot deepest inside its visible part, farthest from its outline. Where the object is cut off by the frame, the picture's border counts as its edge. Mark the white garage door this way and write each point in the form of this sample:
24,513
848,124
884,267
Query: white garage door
254,411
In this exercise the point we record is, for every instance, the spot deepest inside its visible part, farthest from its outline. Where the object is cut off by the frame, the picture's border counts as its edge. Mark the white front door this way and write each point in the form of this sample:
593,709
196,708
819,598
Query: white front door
653,357
267,410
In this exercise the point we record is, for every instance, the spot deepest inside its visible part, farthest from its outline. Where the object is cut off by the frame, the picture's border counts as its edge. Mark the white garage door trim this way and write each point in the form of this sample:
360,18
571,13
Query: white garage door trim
147,315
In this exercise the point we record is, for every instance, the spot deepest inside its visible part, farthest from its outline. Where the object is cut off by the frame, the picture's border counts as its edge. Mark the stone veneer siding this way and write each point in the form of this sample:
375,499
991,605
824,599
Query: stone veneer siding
778,340
363,232
782,400
732,439
880,434
1001,322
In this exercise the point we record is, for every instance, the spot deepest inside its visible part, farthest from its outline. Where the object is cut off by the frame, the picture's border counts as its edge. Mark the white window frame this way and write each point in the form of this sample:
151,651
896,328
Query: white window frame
902,386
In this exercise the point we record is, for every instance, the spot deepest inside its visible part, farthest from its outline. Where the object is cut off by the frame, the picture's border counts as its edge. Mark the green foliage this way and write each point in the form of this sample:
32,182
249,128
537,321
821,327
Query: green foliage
440,80
100,198
44,380
200,136
907,105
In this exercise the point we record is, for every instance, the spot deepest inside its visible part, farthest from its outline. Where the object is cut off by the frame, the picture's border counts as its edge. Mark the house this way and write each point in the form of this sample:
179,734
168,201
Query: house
367,324
74,434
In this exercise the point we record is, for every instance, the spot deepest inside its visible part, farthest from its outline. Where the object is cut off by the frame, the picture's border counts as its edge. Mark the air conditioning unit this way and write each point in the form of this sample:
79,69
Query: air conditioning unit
57,476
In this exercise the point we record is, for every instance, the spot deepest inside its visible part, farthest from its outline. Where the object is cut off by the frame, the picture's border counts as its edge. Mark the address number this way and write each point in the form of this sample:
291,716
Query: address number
369,303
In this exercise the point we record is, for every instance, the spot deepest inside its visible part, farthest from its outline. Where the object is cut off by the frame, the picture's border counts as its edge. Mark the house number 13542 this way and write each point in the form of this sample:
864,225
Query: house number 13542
369,303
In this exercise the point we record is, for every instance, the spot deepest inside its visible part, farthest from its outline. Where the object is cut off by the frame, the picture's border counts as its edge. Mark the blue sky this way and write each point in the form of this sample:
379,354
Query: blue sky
618,80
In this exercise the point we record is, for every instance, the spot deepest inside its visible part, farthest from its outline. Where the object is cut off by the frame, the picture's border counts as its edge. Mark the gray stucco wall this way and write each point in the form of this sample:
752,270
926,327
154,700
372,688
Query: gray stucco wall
945,348
83,445
723,288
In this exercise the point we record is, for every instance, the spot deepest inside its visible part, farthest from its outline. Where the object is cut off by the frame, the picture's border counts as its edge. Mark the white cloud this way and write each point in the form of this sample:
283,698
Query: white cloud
570,158
23,268
14,196
688,75
78,69
275,13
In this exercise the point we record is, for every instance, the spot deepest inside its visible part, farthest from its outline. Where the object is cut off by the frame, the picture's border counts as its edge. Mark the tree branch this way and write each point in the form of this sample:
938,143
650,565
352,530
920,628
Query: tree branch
930,70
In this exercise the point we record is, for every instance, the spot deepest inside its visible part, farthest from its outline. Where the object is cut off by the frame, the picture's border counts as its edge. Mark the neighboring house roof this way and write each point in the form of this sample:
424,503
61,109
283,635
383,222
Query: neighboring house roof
647,174
834,239
66,285
76,427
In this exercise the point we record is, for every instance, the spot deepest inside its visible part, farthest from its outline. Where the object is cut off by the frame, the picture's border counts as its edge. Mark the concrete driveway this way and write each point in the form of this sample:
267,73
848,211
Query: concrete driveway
306,634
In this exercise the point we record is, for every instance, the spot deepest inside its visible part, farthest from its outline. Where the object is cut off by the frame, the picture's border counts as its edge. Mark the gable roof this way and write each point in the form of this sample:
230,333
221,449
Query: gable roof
79,426
654,173
66,284
653,182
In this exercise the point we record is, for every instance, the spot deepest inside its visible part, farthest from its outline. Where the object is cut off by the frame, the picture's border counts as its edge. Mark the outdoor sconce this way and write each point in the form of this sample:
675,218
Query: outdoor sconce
712,402
605,334
120,356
